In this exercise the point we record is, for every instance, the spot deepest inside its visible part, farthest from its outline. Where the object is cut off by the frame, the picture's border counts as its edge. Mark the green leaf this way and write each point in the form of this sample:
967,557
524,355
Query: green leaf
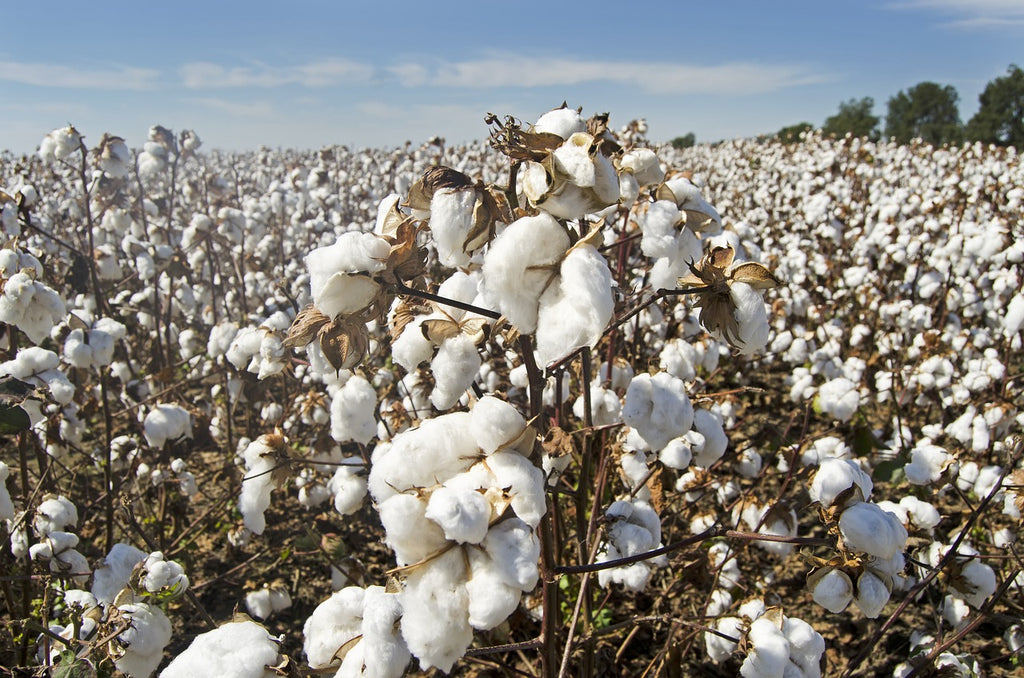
13,419
885,470
14,391
71,666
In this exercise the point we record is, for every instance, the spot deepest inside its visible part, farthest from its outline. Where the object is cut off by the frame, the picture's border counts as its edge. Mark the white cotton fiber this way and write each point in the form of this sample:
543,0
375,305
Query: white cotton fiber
658,408
462,514
435,624
454,368
834,476
113,573
495,423
241,649
520,263
451,220
523,481
409,533
166,423
352,411
576,307
490,599
769,650
6,505
833,591
334,623
868,528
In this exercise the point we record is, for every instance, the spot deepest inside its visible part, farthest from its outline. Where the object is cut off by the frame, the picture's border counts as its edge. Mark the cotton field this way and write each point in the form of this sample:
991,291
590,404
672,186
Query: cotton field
563,402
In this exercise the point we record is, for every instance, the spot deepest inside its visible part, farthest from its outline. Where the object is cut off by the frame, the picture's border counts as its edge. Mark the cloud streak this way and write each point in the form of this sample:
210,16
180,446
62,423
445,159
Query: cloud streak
66,77
972,14
323,73
653,77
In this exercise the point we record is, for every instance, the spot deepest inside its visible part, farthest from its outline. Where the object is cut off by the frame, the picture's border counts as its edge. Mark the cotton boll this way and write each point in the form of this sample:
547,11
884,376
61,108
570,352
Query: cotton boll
435,624
976,583
514,549
523,482
834,477
490,600
408,532
713,442
920,513
164,574
833,591
334,623
146,637
769,650
495,423
412,348
451,220
241,649
463,515
260,463
520,264
352,411
658,408
718,648
867,528
113,573
454,368
348,487
54,514
382,652
805,646
676,454
839,397
166,423
751,317
927,463
872,594
574,309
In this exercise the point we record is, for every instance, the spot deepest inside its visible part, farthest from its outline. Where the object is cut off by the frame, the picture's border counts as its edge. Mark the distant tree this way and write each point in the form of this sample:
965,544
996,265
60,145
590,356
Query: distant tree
926,110
791,134
1000,119
854,117
685,141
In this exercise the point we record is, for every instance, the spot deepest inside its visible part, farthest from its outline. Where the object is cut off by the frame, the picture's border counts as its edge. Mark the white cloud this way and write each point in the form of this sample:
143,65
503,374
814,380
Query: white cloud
655,77
323,73
238,109
57,75
971,14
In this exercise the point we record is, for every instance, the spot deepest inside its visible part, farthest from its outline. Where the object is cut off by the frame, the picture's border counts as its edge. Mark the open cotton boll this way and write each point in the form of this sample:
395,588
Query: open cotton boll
868,528
454,368
658,408
872,594
495,423
352,252
451,220
769,650
676,454
519,265
490,600
166,423
751,317
462,514
712,443
334,623
562,121
839,398
805,646
352,411
835,476
718,648
439,449
575,308
408,532
523,482
977,582
113,573
348,486
606,408
242,649
412,347
833,591
643,164
381,653
435,622
1013,320
658,224
260,463
164,574
144,640
54,514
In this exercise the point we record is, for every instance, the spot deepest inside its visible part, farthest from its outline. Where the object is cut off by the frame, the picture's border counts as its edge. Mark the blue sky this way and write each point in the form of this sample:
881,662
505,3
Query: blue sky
309,73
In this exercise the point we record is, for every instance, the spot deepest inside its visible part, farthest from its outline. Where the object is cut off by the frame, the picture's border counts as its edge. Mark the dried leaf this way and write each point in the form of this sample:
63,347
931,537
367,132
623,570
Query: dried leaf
436,330
305,327
754,274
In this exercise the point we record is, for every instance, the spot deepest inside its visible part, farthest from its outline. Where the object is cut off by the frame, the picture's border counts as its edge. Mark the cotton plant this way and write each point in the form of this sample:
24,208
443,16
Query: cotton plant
775,644
459,503
237,649
633,527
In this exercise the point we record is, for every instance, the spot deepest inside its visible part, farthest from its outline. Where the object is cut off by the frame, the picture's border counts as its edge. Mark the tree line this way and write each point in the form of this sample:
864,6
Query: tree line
927,111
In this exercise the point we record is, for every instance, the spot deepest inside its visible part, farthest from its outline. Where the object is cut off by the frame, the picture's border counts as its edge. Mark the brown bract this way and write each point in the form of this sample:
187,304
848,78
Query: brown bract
711,277
344,340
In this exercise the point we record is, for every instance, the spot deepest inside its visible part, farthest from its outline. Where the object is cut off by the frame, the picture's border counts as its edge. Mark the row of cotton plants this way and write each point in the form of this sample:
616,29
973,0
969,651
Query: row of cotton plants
565,390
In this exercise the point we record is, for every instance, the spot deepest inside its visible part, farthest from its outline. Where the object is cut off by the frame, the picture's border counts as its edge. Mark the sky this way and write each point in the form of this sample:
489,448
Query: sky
312,73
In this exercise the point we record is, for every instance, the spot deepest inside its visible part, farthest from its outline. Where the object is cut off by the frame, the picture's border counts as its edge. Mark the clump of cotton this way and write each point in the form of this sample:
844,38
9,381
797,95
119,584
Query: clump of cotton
340,274
520,264
574,309
115,570
835,477
267,600
633,528
6,505
658,408
166,423
141,645
839,397
352,411
261,462
241,649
